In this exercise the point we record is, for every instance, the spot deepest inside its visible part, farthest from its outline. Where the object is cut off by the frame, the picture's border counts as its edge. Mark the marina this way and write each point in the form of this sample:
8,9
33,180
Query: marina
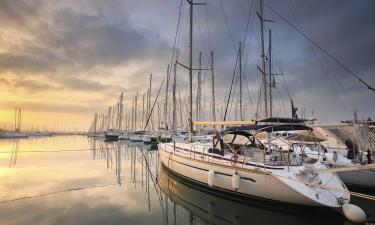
87,181
187,112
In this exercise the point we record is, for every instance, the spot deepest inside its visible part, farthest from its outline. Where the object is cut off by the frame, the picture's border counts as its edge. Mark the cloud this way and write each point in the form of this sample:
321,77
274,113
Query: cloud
32,85
109,46
84,107
4,82
87,85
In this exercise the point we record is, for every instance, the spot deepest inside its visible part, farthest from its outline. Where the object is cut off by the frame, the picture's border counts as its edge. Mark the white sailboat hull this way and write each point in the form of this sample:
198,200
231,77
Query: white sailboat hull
255,183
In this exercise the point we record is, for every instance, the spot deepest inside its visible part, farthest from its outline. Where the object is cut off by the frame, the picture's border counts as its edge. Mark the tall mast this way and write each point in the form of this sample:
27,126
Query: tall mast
270,69
191,73
126,121
199,90
166,101
213,87
135,111
132,117
174,98
264,83
15,119
158,116
121,112
109,119
240,71
180,103
147,106
95,121
149,102
143,110
19,119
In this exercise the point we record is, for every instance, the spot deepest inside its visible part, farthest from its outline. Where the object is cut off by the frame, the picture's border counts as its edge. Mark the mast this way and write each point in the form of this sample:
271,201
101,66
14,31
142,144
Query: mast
199,90
213,87
158,116
19,119
135,111
120,113
15,119
126,121
240,71
132,115
166,101
174,99
143,109
94,124
191,73
270,69
180,103
264,83
149,103
109,118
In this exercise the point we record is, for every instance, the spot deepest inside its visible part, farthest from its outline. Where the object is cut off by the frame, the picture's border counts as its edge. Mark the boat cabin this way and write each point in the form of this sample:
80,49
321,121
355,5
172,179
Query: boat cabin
246,145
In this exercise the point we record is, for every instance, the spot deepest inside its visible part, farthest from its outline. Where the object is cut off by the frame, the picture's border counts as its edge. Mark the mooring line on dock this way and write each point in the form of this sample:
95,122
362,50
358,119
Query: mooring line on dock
67,190
59,150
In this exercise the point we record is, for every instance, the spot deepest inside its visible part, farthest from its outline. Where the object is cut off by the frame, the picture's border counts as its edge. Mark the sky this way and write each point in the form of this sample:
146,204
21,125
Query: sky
62,61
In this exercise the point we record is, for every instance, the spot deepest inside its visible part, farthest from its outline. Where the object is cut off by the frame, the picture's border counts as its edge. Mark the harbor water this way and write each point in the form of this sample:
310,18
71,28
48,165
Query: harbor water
79,180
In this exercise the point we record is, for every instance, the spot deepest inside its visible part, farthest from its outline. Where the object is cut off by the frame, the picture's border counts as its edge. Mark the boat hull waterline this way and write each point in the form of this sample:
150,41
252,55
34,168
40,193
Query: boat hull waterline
255,182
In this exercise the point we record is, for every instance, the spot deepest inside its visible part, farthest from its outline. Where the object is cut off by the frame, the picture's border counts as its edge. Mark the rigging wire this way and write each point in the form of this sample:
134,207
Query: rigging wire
228,25
207,27
251,31
322,67
250,98
243,46
320,48
176,34
232,99
172,57
230,90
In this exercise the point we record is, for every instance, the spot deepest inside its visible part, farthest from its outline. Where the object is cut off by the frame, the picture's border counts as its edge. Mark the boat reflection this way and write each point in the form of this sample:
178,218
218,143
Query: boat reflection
14,155
206,206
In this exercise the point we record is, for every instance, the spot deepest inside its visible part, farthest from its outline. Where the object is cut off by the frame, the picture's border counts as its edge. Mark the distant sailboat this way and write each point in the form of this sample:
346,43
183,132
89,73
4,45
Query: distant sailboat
17,127
114,131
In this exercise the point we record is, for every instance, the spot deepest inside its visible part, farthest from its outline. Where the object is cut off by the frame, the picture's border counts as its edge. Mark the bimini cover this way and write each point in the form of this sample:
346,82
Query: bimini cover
271,127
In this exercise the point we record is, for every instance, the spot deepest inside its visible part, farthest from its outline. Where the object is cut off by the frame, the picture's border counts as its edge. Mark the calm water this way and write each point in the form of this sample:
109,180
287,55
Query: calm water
76,180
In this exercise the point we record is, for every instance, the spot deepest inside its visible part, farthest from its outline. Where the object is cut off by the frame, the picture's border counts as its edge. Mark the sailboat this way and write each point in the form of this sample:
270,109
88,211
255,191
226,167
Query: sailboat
113,134
239,163
17,127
